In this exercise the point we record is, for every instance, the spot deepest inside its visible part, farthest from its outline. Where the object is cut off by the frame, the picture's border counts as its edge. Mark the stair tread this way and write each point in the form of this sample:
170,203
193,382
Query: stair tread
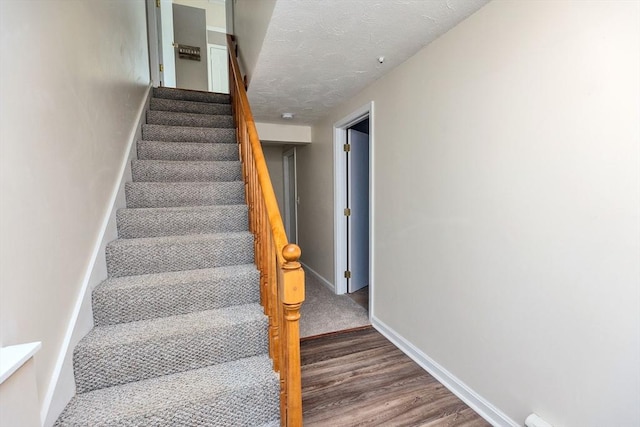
181,220
184,209
146,255
176,240
184,143
175,150
187,115
184,183
117,354
176,118
165,104
132,298
186,128
191,94
187,193
163,328
185,170
187,208
188,162
174,277
218,395
188,134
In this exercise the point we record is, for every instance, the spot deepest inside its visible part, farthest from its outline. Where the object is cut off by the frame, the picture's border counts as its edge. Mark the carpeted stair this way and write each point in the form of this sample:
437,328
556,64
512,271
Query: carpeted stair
180,337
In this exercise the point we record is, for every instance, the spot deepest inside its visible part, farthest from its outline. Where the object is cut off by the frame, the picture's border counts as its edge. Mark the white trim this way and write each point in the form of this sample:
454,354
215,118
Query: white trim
83,294
14,356
339,229
209,70
476,402
292,152
152,39
216,29
317,275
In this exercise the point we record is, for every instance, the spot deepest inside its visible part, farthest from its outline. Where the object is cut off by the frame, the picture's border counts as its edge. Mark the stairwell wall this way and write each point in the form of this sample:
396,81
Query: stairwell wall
250,25
73,76
507,222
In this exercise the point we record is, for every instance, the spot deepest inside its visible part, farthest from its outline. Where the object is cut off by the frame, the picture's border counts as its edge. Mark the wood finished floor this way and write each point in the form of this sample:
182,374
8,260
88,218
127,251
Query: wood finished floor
360,378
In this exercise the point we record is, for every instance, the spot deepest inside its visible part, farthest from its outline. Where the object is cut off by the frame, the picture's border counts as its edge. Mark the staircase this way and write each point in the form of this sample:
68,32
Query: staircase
180,337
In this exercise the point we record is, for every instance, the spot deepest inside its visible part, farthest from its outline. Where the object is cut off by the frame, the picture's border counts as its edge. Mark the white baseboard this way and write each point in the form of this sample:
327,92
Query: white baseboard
61,388
317,275
476,402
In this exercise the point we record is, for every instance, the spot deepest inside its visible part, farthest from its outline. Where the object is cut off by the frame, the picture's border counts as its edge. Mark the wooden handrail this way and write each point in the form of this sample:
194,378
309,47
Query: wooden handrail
281,275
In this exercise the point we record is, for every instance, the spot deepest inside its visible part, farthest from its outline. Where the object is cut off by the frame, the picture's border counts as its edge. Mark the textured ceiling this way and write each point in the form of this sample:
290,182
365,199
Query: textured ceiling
318,53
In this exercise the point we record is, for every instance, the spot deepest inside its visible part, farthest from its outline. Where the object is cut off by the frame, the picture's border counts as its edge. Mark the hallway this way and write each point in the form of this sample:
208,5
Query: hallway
359,378
324,312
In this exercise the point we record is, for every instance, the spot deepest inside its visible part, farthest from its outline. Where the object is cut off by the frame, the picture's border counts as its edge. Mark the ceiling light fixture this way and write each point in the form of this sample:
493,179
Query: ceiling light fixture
287,116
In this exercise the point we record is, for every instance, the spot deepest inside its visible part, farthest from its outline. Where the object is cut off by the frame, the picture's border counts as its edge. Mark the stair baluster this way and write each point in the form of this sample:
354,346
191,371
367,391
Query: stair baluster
282,277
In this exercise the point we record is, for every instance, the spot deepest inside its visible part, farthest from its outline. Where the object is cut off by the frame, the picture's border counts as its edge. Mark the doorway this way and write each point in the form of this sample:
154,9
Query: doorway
353,202
218,71
290,195
190,37
183,53
161,46
357,206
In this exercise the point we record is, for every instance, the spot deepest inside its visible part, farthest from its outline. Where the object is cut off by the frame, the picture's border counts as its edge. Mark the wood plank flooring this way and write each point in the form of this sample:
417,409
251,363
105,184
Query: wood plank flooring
359,378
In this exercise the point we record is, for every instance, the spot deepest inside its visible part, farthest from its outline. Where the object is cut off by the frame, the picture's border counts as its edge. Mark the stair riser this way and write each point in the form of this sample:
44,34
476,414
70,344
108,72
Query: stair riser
190,95
161,195
171,171
184,151
186,134
137,223
102,367
168,118
161,257
160,104
116,306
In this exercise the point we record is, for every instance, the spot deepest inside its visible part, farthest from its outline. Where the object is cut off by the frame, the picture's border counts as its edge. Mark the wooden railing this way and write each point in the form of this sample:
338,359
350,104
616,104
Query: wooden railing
281,276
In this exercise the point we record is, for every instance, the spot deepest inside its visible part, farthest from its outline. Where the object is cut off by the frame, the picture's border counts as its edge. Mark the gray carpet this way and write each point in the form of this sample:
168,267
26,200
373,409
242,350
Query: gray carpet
159,104
180,338
323,311
224,399
162,150
188,119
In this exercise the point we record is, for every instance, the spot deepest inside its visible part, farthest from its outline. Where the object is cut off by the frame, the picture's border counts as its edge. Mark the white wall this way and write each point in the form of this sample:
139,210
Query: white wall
289,134
19,404
67,110
507,201
273,158
251,21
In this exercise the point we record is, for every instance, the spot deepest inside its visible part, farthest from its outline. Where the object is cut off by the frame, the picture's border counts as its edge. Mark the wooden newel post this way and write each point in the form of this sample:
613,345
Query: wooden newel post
292,295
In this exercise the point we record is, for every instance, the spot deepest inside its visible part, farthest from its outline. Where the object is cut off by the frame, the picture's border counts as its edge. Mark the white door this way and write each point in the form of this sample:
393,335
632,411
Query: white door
358,203
218,69
290,196
167,51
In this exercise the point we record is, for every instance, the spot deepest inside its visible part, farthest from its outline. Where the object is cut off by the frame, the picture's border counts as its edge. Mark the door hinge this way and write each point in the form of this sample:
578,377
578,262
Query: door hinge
161,68
157,3
347,147
347,274
347,212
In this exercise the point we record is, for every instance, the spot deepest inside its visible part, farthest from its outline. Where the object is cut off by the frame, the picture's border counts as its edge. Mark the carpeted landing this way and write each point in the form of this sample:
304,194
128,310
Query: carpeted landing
180,338
323,311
